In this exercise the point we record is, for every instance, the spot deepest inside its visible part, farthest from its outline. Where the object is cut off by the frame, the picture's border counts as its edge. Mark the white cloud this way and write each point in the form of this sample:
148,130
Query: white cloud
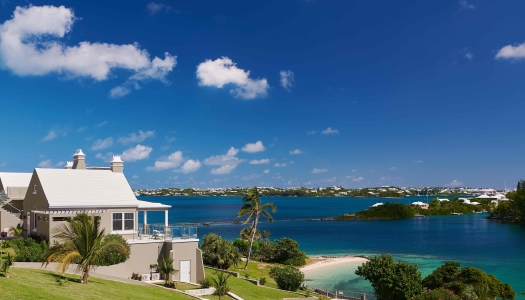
223,71
60,164
154,8
317,171
45,164
311,132
119,92
512,52
385,178
371,171
101,124
329,130
102,144
138,152
278,165
266,171
358,179
296,151
136,137
174,160
254,147
260,161
307,183
28,47
82,129
226,169
190,166
287,79
50,136
418,161
392,168
354,170
105,157
227,162
469,55
454,183
135,176
463,4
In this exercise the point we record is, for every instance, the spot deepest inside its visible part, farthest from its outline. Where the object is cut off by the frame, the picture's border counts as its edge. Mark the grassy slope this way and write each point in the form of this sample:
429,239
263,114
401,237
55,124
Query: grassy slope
248,290
256,270
40,284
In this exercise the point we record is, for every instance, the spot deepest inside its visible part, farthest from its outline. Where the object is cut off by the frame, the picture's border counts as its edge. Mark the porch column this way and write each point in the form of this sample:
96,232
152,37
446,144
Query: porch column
145,222
166,218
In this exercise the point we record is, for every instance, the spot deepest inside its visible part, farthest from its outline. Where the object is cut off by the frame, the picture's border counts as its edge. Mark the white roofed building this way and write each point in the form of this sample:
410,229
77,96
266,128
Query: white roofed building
55,195
14,188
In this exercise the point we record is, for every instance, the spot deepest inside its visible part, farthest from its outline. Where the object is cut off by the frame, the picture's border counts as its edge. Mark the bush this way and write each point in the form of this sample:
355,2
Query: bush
437,294
29,250
218,252
243,246
113,257
205,283
287,278
170,285
262,281
287,252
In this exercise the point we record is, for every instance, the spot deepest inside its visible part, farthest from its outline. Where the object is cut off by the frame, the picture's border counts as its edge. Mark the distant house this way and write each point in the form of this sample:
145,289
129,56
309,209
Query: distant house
420,204
55,195
14,186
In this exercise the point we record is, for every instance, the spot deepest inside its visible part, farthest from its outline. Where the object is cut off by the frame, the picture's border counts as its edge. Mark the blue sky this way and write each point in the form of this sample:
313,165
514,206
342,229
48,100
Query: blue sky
282,93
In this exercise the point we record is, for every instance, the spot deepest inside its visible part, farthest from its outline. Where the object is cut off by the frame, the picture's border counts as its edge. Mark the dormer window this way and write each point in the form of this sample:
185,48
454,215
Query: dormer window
34,190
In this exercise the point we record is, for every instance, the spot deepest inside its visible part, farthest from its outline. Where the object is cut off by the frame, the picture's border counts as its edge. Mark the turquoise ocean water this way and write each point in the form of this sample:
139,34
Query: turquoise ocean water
497,248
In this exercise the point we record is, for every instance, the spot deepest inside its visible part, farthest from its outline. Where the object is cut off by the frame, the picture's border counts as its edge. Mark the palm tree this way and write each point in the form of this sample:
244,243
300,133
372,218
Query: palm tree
221,284
16,231
253,208
83,243
166,268
246,234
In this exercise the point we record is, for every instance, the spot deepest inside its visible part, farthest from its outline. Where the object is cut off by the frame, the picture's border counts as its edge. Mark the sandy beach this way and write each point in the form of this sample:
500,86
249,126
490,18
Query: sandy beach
319,262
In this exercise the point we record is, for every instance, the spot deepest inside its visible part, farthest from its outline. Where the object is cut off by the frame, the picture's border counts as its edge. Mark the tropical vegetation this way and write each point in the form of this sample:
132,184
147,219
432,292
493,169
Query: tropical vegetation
221,284
514,210
287,278
27,250
218,252
391,280
253,209
399,280
82,242
166,269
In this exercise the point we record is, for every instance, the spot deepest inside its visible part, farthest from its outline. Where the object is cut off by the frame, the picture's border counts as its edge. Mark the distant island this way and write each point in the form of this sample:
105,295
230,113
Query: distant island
331,191
395,211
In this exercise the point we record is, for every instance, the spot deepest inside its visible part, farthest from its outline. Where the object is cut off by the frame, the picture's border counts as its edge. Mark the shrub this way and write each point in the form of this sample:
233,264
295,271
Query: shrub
6,264
221,284
262,281
218,252
205,283
29,250
437,294
113,257
135,276
287,252
287,278
242,246
170,284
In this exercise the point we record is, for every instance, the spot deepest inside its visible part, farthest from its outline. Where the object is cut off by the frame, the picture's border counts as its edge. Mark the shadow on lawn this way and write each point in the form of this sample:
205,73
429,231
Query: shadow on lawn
68,278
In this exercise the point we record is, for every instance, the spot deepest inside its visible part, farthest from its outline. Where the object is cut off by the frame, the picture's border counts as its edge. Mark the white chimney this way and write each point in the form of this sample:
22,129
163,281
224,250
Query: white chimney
69,165
79,160
117,165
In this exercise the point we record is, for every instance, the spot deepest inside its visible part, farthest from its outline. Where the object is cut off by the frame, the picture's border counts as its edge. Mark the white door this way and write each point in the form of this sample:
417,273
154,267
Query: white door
185,267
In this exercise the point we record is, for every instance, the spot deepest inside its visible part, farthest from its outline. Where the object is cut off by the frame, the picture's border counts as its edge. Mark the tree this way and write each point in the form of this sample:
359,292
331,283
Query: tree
218,252
287,252
221,284
166,268
391,280
246,234
253,208
517,201
468,282
82,242
6,263
287,278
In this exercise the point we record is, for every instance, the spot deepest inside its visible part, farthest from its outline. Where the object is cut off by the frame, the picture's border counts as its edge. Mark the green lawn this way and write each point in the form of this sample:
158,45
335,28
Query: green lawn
40,284
248,290
183,286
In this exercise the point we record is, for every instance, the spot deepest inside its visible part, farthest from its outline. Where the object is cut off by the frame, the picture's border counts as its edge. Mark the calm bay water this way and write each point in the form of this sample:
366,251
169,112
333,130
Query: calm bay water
495,247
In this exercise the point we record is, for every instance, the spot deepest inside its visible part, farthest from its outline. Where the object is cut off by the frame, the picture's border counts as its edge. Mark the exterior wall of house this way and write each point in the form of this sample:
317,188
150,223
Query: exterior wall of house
8,220
32,202
186,250
16,193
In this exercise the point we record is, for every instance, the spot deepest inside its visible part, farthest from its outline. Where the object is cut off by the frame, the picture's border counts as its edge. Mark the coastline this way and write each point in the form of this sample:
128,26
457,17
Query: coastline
320,262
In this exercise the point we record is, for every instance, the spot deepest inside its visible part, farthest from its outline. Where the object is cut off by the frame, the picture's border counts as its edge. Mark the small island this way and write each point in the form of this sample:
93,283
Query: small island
441,207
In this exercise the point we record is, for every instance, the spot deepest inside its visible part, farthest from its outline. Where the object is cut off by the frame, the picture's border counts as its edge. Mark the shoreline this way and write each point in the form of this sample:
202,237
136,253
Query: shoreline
323,261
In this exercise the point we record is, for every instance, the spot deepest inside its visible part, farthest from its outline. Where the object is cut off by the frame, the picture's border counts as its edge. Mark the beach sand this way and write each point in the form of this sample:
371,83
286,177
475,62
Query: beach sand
321,262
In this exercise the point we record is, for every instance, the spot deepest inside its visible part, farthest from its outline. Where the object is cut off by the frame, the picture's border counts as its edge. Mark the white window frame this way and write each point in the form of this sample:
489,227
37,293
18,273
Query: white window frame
123,213
35,219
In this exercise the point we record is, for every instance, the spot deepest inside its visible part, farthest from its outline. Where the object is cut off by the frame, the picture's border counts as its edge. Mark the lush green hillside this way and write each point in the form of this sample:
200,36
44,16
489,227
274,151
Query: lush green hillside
40,284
